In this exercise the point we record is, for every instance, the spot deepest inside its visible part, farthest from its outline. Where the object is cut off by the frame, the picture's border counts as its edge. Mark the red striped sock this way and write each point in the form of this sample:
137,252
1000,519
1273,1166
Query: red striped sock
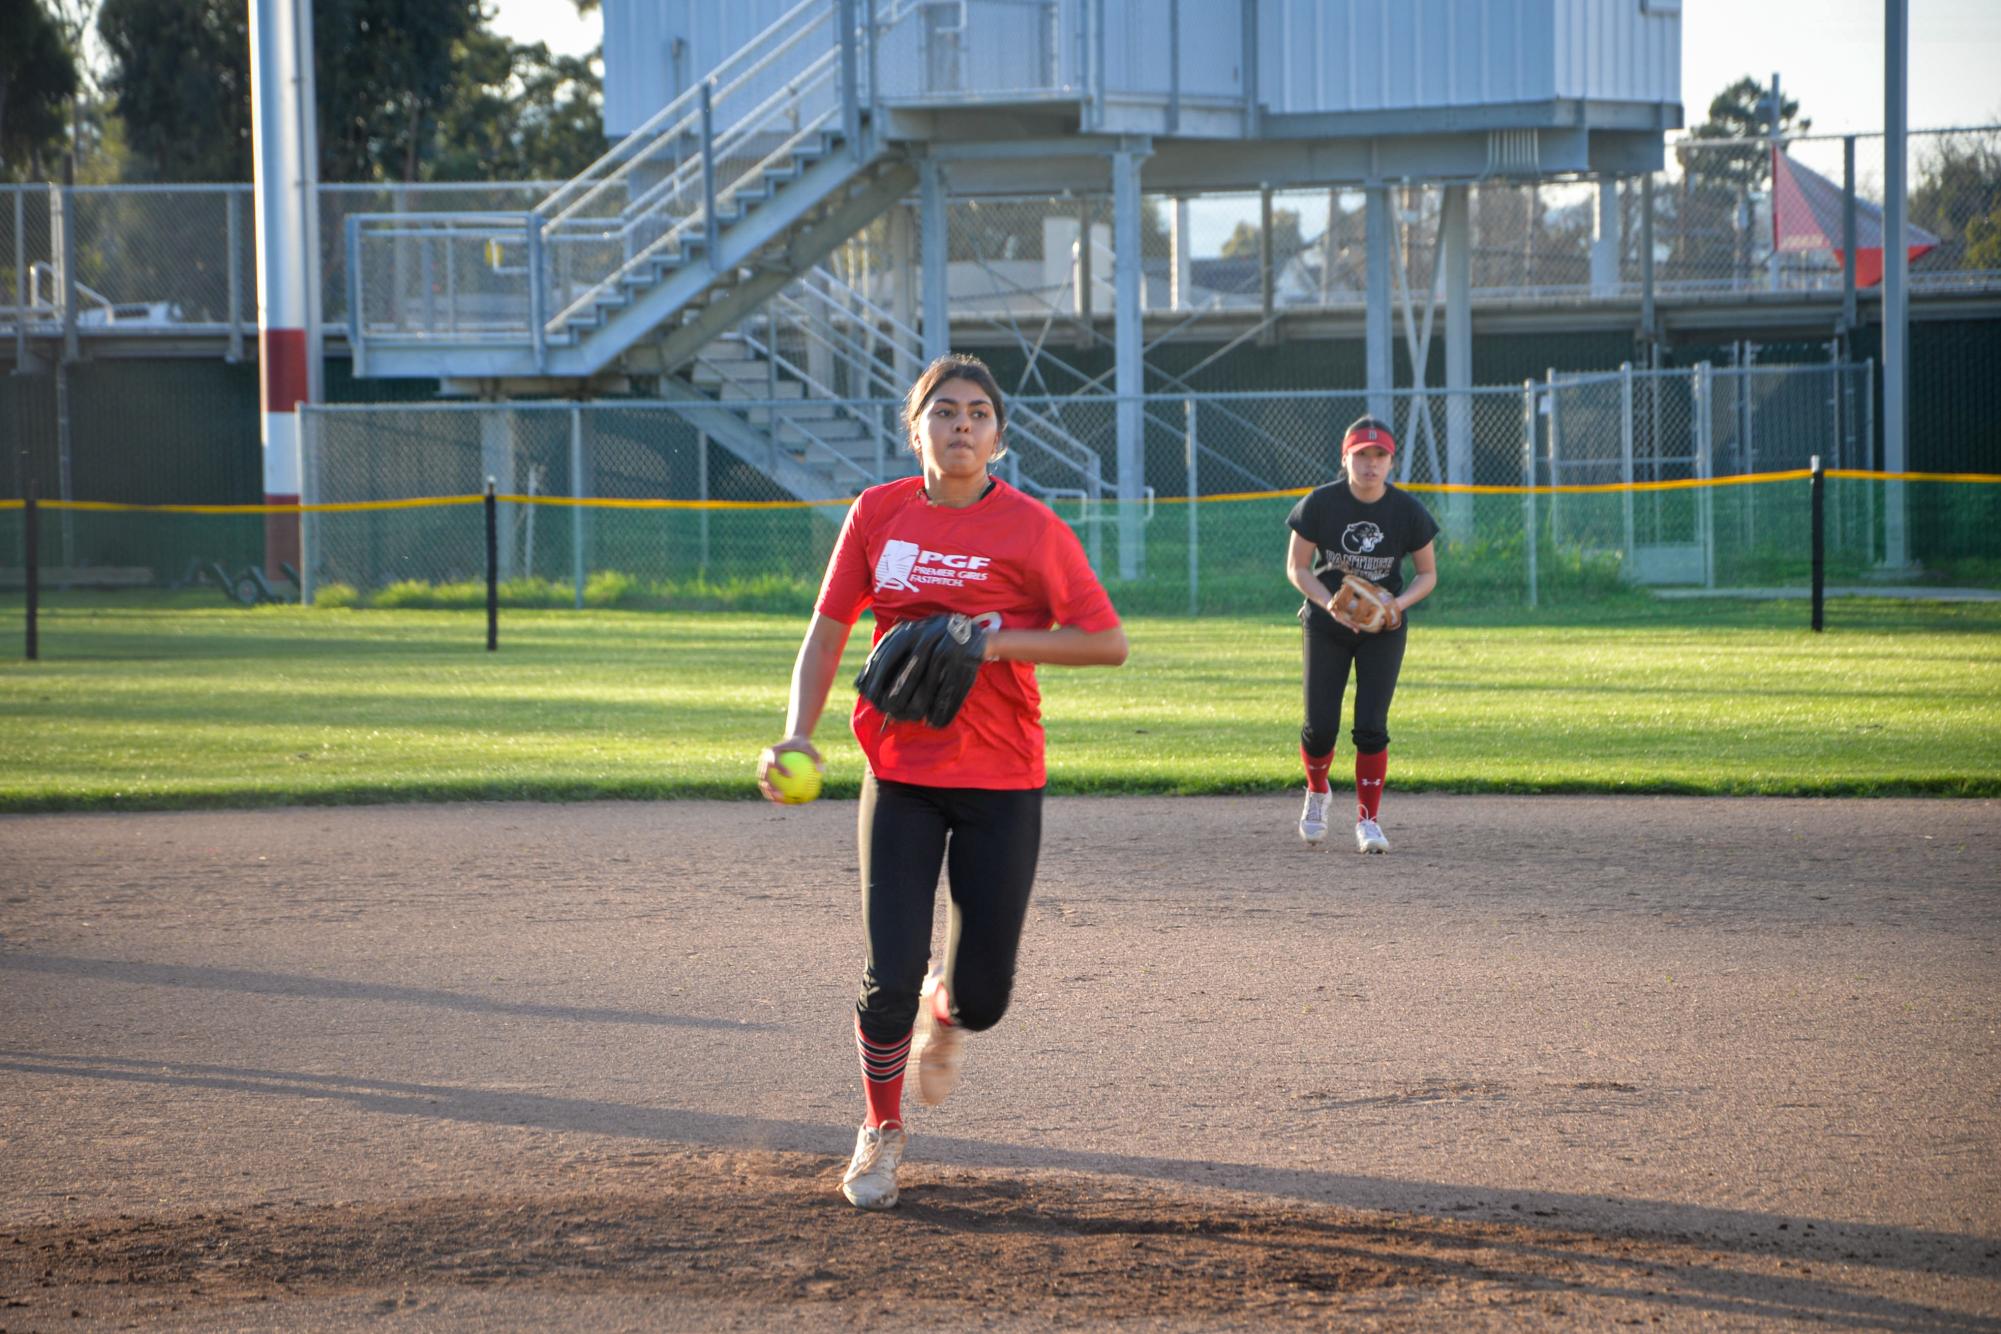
882,1077
1370,770
1316,769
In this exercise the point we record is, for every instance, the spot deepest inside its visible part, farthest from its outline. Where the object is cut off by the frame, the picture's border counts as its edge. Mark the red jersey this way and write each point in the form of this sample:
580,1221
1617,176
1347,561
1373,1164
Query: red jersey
1008,562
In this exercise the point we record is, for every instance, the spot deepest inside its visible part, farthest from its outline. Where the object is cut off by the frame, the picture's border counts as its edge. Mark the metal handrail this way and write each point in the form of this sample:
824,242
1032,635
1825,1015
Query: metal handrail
837,63
1038,433
1078,456
672,239
677,110
44,268
828,66
1174,381
843,460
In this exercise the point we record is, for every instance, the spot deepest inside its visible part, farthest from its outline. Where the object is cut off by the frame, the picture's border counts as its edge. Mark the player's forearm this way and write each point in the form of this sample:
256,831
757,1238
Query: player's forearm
1309,585
812,678
1417,589
1064,647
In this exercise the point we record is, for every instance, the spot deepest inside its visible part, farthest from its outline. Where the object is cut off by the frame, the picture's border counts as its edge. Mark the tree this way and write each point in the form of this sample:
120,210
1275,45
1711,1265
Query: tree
384,70
518,112
1983,242
1242,243
408,90
38,80
1958,198
1708,216
1740,111
180,71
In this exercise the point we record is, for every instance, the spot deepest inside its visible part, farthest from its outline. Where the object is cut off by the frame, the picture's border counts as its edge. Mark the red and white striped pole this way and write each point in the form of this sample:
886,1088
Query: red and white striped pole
284,152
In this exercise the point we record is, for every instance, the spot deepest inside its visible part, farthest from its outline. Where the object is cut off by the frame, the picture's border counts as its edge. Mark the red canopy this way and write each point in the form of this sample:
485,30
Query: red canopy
1806,216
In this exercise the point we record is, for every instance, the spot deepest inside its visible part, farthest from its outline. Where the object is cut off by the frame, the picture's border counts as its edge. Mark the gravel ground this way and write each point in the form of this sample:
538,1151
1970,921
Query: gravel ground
1555,1063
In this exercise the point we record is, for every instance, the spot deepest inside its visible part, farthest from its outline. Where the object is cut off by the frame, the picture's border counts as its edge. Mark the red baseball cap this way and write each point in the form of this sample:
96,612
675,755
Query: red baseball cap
1368,433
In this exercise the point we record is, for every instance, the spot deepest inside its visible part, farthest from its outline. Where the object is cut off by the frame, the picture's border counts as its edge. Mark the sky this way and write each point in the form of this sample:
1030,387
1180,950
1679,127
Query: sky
1827,53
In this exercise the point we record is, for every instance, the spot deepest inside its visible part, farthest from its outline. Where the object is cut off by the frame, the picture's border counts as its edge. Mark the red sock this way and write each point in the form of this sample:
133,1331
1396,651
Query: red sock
882,1077
1316,769
1369,773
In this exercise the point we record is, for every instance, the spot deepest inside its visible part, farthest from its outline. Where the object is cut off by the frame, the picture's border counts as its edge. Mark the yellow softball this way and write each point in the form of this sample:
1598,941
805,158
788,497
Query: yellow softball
794,778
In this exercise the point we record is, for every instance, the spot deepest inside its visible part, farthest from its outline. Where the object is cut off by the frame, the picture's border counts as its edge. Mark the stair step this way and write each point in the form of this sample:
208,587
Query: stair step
751,376
786,389
729,352
835,436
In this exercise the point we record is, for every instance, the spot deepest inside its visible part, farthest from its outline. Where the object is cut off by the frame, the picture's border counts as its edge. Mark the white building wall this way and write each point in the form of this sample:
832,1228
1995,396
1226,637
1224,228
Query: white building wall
644,69
1325,56
1375,55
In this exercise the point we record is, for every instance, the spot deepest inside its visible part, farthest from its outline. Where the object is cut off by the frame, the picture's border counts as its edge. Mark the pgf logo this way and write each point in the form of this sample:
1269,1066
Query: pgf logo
905,565
892,568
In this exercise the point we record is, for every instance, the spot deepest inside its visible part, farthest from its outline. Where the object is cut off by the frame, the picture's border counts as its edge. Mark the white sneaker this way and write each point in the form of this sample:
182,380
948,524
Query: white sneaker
1369,837
936,1050
1313,815
870,1181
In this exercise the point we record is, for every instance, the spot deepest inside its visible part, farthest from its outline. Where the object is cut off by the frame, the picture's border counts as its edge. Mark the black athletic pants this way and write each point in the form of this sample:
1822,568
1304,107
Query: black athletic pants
1330,651
986,841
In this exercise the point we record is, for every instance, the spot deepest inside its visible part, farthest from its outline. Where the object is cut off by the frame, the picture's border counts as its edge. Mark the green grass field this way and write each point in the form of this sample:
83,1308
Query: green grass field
142,705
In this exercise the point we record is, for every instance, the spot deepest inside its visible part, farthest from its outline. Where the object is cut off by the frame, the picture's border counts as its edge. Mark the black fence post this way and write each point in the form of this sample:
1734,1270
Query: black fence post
1818,489
492,570
31,566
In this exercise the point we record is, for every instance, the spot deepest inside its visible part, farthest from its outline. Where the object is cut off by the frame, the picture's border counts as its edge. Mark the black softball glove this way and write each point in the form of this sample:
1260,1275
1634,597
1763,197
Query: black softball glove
923,670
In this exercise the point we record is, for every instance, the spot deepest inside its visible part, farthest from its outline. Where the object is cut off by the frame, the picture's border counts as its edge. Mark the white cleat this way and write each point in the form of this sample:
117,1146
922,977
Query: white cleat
1369,837
1313,815
870,1181
936,1050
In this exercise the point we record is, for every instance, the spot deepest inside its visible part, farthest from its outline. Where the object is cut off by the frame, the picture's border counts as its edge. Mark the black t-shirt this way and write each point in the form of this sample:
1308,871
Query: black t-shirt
1350,537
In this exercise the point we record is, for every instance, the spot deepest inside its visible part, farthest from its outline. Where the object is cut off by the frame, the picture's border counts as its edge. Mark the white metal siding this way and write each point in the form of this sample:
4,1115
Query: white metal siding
639,36
1371,55
1609,50
1136,36
1314,55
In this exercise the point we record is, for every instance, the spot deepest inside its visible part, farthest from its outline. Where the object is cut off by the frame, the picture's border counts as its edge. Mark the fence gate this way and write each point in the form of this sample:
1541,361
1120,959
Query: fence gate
1633,428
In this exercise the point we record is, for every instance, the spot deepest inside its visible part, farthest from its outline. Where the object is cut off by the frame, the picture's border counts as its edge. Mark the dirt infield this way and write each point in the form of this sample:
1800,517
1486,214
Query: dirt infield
1554,1063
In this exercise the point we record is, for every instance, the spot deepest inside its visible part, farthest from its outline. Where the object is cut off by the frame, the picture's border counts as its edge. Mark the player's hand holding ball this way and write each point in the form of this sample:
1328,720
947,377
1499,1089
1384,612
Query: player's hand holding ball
789,772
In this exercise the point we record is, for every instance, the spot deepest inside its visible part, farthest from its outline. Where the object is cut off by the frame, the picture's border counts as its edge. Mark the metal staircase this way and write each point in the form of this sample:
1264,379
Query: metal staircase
680,254
723,196
810,391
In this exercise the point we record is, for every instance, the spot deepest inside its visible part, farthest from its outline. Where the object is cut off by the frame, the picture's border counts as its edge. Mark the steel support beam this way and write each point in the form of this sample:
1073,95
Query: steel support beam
1896,274
1606,240
1129,361
1376,335
931,247
1179,267
1455,223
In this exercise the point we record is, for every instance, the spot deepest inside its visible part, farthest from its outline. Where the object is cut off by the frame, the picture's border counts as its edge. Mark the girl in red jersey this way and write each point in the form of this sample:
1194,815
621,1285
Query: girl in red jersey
966,797
1358,524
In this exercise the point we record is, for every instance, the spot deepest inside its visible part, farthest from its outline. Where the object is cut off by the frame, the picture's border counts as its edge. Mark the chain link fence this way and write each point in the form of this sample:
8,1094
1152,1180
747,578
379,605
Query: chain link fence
722,521
428,270
1574,490
182,258
143,258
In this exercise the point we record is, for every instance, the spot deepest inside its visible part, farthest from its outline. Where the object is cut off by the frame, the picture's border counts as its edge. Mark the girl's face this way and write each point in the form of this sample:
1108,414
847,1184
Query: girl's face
959,431
1369,467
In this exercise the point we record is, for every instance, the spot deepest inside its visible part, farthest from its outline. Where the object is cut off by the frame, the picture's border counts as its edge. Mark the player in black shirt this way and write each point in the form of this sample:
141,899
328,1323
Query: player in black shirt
1362,525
